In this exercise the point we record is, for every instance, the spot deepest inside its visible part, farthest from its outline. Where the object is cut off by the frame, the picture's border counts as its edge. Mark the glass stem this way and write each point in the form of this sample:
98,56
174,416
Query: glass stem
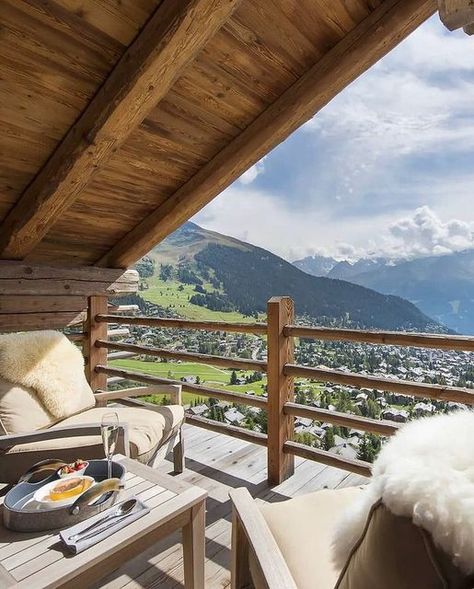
109,467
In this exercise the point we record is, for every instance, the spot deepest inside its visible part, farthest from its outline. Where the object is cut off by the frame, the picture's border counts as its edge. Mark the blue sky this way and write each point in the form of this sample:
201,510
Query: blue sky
387,168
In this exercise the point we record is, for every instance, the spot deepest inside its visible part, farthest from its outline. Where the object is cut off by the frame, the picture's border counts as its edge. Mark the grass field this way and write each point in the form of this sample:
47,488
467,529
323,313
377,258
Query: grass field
209,375
168,294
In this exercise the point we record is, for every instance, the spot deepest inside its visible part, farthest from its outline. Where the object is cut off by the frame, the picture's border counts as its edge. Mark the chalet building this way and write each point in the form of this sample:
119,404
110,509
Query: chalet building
397,415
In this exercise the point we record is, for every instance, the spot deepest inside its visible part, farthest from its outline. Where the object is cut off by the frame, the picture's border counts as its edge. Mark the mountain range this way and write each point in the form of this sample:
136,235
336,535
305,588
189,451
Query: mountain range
441,286
229,274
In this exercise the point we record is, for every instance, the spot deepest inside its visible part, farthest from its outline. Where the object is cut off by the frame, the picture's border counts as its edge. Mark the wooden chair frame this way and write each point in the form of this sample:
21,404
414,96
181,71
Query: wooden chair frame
174,442
252,536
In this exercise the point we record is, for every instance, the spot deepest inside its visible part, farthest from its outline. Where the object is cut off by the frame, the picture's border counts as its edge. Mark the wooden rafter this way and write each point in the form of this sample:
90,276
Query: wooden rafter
389,24
170,40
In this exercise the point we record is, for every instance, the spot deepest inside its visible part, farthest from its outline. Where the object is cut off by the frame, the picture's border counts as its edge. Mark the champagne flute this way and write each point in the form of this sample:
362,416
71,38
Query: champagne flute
109,430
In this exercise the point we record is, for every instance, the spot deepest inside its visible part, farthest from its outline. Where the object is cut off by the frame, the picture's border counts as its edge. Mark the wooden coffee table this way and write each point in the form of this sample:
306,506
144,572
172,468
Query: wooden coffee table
39,560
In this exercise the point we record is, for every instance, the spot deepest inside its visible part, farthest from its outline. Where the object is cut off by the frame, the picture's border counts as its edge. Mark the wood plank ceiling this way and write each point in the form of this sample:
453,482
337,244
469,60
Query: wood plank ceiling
120,119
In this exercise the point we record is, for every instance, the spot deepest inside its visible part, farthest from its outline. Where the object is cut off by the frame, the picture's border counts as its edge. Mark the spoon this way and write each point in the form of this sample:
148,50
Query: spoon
119,511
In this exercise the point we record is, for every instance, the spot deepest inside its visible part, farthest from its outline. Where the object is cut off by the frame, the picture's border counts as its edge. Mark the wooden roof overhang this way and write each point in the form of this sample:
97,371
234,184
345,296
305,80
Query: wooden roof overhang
120,119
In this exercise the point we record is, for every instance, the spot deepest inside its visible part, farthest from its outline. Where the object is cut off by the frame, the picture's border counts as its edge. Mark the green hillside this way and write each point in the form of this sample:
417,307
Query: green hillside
201,274
175,295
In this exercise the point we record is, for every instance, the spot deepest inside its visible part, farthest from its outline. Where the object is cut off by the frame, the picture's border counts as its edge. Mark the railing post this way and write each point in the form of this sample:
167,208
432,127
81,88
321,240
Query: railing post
280,312
95,331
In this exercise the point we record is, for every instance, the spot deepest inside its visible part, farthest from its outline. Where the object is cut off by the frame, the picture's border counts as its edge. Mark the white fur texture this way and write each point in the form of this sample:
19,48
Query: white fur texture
48,363
425,472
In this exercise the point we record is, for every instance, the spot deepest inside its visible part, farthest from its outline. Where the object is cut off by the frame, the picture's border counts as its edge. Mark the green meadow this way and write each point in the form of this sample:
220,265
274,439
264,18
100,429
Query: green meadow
174,295
209,375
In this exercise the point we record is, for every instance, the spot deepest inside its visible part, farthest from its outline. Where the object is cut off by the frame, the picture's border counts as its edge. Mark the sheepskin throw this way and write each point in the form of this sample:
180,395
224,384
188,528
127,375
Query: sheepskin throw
425,472
49,364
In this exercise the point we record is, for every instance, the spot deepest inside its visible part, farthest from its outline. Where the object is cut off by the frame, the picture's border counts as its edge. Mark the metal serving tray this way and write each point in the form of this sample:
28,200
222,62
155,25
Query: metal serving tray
22,514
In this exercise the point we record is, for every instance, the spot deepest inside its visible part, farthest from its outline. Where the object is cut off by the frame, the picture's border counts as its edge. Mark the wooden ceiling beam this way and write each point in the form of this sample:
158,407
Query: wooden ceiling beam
380,32
169,41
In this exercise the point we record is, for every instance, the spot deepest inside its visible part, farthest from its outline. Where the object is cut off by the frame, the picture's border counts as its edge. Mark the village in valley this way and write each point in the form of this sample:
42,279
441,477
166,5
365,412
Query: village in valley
412,364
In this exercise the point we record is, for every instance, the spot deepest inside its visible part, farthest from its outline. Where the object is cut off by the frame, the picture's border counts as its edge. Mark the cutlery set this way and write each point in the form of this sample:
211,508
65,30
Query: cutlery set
117,515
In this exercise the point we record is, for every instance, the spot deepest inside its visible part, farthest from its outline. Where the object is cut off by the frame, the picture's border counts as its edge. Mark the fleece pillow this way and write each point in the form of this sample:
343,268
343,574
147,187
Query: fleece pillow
422,489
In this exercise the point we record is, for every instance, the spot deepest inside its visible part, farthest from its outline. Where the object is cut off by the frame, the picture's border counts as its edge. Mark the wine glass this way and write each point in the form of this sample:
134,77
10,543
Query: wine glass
109,430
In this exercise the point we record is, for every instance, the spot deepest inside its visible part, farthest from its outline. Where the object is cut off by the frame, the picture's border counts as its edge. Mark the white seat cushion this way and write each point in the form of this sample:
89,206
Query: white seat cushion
147,429
303,528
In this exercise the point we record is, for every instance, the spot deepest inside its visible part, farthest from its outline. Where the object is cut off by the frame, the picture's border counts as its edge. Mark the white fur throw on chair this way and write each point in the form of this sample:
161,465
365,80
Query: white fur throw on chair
425,472
48,363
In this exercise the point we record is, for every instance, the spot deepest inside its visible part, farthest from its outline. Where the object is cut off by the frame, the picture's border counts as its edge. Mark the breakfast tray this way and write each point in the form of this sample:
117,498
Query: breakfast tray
22,515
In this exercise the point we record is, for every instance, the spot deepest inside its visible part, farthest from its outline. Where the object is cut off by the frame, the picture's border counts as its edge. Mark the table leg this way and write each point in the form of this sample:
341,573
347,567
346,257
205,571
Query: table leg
194,547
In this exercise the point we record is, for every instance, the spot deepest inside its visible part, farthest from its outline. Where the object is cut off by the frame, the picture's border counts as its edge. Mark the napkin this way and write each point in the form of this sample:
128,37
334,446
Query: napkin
112,526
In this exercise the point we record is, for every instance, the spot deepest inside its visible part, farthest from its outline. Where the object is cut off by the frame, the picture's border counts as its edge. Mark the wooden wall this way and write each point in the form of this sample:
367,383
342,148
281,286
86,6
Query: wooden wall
52,297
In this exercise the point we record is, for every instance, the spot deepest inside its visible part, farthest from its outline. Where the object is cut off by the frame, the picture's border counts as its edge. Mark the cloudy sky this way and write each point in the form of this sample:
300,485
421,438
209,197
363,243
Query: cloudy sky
386,168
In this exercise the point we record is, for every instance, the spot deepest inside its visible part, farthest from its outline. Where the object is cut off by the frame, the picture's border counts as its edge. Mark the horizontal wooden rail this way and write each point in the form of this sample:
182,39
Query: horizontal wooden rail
251,400
391,338
237,363
405,387
229,430
353,465
385,428
252,328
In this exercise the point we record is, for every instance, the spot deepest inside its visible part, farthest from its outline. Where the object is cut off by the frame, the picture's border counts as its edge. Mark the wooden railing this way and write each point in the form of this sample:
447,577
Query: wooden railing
280,405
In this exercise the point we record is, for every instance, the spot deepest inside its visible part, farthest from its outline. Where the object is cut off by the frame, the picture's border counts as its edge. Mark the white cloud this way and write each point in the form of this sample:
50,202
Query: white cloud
424,233
418,101
385,172
251,174
293,234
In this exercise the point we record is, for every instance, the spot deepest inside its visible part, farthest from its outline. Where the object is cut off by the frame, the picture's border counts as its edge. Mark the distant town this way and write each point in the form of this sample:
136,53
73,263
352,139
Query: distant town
413,364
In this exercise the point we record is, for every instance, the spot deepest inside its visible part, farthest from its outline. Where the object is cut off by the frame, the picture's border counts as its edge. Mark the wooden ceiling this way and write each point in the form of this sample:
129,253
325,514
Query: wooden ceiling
120,119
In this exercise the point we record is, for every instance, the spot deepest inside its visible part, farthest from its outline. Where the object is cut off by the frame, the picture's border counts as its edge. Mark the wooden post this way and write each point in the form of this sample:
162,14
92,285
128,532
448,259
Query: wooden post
95,331
280,312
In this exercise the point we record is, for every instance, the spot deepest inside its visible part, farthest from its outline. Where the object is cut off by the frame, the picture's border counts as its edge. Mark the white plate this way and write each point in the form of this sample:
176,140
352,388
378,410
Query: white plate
42,494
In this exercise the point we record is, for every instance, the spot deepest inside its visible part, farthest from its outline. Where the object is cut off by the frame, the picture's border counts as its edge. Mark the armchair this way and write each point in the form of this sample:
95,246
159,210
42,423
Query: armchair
147,431
410,527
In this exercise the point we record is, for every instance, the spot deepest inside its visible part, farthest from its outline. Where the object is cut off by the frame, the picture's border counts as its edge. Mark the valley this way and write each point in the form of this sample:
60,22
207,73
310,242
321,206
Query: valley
201,275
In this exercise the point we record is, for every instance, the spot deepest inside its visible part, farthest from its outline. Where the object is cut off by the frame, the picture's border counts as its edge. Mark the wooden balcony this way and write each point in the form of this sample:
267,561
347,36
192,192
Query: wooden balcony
217,463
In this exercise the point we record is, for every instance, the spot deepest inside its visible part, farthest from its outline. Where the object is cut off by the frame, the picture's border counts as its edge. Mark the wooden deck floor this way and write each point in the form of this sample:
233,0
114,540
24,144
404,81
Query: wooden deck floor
218,463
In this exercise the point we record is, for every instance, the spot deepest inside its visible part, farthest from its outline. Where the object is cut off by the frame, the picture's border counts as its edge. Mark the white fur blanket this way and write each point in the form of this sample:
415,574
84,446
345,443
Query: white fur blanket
48,363
425,472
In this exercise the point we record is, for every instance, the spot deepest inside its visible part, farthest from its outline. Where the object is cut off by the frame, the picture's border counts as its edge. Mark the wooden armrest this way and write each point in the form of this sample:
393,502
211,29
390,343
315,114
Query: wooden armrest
273,570
53,433
172,390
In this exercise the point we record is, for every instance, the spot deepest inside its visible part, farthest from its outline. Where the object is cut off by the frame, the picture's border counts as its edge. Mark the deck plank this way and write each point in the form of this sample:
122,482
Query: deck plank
218,463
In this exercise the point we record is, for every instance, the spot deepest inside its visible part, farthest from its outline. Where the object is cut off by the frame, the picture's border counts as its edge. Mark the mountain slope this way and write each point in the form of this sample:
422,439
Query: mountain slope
316,265
442,286
230,274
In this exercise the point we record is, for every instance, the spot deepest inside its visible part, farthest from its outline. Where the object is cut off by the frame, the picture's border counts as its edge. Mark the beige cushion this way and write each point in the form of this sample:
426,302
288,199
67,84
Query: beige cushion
303,528
393,553
147,430
22,412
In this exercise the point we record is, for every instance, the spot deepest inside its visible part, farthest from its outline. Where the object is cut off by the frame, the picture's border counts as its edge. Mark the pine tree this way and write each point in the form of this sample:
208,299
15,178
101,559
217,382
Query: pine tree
329,441
233,377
